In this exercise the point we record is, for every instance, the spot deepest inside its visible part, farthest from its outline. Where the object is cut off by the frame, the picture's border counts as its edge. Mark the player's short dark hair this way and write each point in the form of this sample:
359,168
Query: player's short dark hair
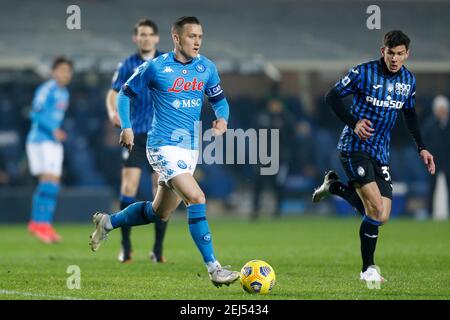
178,25
396,38
145,22
60,60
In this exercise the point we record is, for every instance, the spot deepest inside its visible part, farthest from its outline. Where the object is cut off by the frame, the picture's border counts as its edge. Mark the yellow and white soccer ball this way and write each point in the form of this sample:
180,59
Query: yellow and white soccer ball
257,276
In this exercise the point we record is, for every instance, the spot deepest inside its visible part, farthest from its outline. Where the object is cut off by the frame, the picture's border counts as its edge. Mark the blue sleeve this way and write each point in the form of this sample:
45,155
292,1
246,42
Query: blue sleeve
123,108
216,96
349,84
140,79
213,84
119,77
41,103
221,109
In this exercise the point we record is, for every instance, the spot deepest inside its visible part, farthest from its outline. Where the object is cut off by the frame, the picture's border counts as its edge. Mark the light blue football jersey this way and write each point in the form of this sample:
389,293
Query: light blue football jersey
178,91
50,103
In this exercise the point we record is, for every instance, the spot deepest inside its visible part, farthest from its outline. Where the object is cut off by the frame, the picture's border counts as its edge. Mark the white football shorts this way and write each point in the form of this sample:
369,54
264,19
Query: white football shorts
171,161
45,158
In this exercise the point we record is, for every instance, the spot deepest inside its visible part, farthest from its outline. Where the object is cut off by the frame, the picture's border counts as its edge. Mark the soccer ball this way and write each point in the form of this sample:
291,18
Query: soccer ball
257,276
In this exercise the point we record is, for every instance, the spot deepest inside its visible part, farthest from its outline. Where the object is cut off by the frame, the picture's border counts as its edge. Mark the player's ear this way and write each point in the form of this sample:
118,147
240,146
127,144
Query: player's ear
175,38
134,38
157,39
382,51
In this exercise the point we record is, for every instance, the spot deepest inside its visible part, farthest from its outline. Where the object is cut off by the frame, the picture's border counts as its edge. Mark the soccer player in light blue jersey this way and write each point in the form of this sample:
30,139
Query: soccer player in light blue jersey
45,150
178,81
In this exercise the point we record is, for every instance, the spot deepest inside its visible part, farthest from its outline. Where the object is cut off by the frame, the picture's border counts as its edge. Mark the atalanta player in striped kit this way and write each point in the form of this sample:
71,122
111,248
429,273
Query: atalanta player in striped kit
178,81
381,89
146,38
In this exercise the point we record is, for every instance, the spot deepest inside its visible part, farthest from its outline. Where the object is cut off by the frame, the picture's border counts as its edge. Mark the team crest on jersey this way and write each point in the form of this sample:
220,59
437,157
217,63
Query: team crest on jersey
402,88
390,88
361,171
184,71
181,164
200,68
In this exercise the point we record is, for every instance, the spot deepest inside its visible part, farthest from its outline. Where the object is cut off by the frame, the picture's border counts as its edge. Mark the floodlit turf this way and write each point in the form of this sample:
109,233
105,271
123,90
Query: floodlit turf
314,258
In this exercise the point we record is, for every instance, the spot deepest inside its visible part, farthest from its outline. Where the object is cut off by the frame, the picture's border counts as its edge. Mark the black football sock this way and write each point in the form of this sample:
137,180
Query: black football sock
126,230
349,194
160,232
368,233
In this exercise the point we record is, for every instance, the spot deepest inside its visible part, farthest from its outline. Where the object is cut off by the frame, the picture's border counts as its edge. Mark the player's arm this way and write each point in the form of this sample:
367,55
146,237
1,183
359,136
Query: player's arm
117,82
334,98
222,112
219,103
111,98
123,108
412,123
39,114
135,85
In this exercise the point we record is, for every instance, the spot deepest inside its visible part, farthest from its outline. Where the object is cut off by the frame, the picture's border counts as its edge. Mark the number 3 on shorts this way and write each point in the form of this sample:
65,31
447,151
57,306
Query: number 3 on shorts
386,173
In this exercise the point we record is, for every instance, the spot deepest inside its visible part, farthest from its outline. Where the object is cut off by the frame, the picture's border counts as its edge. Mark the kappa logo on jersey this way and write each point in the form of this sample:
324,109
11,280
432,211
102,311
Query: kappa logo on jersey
180,84
167,69
402,88
385,103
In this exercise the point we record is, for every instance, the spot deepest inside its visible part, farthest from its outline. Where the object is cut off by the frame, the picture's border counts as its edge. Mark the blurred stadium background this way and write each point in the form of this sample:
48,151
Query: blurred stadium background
277,60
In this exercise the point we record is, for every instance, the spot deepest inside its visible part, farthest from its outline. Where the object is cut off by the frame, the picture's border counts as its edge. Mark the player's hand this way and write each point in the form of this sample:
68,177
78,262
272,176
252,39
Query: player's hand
428,160
60,135
219,127
363,129
115,120
127,139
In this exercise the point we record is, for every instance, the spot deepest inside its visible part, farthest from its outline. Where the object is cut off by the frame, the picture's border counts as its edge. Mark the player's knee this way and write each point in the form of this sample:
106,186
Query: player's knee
383,220
163,213
375,209
128,188
197,197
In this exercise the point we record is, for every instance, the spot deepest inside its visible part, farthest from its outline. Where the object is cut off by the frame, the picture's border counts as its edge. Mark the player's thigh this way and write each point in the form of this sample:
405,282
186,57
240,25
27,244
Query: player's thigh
165,202
188,189
371,198
130,181
155,178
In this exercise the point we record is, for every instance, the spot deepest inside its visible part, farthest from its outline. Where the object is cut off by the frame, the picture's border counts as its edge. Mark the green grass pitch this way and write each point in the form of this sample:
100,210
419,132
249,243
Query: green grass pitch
314,258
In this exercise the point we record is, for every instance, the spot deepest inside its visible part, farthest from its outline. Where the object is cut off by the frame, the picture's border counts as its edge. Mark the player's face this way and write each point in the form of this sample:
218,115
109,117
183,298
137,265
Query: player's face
395,57
188,43
146,39
62,74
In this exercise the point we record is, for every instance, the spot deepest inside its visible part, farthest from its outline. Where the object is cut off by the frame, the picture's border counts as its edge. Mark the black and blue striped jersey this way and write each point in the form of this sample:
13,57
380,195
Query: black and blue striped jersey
142,105
378,96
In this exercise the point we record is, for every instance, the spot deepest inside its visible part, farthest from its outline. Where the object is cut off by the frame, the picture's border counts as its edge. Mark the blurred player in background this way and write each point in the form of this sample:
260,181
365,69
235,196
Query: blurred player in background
178,81
45,150
380,88
146,38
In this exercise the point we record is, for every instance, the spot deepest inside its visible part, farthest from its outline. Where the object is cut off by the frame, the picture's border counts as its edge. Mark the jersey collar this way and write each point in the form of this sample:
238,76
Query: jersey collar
182,63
